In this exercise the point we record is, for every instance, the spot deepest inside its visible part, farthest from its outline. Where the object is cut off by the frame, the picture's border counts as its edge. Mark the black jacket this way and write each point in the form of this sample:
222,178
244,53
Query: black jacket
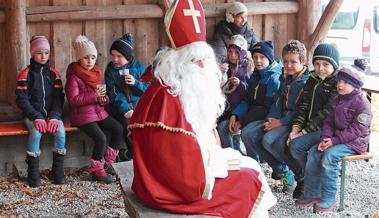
39,92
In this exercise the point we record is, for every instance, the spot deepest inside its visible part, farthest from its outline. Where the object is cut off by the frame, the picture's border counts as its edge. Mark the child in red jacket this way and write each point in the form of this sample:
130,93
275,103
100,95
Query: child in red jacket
87,97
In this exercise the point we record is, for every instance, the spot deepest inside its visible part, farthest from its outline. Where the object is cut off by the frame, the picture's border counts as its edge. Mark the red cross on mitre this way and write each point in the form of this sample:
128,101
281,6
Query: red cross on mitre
185,22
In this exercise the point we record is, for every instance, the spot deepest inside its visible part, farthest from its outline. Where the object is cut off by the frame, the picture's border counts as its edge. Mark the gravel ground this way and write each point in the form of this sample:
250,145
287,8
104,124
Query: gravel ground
84,198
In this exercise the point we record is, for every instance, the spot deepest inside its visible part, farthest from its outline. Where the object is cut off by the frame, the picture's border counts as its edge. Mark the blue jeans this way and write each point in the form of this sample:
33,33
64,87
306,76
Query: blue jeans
228,140
264,144
321,172
35,136
298,149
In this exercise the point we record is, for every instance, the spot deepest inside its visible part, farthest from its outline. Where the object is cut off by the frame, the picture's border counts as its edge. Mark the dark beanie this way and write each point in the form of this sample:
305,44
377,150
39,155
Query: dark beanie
354,74
124,45
327,53
265,48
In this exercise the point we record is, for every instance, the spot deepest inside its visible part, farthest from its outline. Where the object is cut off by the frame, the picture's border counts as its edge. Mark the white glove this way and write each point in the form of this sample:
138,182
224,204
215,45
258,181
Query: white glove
128,114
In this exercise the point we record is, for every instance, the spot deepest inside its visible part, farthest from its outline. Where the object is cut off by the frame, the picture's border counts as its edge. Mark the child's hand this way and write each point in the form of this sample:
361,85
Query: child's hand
53,125
129,114
224,67
100,91
130,80
232,121
271,124
40,125
234,80
103,100
325,144
293,135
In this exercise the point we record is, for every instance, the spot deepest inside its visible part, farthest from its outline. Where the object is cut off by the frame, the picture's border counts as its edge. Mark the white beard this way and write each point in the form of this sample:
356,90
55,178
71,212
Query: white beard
201,97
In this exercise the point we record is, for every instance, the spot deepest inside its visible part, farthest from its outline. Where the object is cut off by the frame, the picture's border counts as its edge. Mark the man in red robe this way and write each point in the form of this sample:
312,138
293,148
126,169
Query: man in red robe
178,165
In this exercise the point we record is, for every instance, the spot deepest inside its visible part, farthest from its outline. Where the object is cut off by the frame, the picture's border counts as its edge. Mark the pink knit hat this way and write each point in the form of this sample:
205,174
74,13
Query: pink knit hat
38,43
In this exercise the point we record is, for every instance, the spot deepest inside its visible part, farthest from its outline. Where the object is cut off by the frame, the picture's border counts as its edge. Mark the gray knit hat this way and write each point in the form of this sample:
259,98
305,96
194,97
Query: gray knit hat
234,9
83,47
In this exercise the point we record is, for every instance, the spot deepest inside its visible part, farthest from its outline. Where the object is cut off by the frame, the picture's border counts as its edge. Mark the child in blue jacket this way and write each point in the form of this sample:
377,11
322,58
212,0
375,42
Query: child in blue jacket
268,138
124,87
262,87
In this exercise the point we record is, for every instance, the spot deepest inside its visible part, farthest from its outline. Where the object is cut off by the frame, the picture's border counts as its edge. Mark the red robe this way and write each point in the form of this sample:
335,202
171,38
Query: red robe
169,173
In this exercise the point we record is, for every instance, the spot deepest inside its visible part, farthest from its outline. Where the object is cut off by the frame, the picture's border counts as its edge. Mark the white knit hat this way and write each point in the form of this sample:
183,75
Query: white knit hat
83,47
238,41
234,9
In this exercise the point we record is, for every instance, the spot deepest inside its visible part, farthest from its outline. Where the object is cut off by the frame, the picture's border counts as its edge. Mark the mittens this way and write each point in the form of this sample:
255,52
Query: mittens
40,125
53,125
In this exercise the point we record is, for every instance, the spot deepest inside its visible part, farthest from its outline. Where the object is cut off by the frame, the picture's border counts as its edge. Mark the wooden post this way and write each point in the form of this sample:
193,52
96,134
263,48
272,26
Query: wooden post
323,26
15,30
307,18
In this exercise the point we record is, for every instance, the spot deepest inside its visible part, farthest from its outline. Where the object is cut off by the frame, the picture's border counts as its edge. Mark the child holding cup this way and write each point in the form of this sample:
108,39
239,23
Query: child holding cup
124,86
86,95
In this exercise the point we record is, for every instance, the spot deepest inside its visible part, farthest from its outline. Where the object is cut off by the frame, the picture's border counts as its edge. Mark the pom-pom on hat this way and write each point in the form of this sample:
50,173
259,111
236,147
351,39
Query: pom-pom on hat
185,23
266,48
327,53
38,43
83,47
353,74
234,9
124,45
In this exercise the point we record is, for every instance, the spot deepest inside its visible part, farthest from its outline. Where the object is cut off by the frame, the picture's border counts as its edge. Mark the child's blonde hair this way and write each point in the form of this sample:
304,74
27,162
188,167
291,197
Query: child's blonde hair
296,47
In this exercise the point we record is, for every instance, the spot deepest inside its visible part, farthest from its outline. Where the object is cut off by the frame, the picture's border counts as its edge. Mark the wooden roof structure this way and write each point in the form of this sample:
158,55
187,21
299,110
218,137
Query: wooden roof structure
103,21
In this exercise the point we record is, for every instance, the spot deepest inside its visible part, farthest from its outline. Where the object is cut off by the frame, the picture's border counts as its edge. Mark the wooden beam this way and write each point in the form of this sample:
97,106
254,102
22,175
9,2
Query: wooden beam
15,33
75,13
323,26
2,16
255,8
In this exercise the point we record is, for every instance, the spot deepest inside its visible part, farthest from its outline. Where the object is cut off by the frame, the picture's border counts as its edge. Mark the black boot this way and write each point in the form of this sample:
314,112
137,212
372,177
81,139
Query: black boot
58,170
299,190
34,179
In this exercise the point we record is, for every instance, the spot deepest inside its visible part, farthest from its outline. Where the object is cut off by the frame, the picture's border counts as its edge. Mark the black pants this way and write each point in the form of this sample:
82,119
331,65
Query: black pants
95,130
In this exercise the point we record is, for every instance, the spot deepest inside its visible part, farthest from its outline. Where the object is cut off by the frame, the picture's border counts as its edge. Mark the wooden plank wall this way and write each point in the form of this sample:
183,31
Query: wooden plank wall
149,34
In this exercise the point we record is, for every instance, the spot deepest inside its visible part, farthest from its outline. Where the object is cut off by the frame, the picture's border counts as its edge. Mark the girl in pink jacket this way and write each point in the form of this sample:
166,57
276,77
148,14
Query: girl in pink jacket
87,97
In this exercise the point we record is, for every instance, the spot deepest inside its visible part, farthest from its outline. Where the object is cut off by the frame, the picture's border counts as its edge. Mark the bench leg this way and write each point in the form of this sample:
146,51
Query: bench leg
342,189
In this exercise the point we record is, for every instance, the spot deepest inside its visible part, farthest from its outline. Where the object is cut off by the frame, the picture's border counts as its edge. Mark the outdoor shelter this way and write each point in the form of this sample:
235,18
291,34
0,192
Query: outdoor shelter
103,21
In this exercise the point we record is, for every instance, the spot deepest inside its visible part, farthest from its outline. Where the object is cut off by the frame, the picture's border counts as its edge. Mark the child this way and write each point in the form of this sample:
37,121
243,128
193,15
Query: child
346,131
262,87
124,91
314,105
40,97
237,72
269,136
86,100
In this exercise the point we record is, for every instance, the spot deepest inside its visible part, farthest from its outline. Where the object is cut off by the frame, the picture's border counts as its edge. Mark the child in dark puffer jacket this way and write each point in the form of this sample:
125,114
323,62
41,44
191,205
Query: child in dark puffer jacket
40,97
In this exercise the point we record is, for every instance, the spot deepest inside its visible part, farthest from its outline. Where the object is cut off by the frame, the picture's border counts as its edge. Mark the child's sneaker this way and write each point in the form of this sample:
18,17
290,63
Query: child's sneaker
324,206
306,202
288,182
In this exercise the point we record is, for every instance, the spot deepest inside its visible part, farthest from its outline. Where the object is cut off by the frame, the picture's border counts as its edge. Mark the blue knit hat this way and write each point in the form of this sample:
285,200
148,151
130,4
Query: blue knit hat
124,45
265,48
327,53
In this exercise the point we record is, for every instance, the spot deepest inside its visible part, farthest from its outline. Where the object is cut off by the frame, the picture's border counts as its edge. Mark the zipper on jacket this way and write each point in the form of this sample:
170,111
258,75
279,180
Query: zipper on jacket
43,91
313,97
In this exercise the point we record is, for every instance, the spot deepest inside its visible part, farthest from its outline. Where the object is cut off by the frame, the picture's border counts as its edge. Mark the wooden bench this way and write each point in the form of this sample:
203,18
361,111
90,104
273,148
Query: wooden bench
365,156
133,206
18,128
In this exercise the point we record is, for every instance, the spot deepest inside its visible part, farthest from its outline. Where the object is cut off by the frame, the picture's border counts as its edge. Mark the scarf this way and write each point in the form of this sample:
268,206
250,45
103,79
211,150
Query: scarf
90,77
